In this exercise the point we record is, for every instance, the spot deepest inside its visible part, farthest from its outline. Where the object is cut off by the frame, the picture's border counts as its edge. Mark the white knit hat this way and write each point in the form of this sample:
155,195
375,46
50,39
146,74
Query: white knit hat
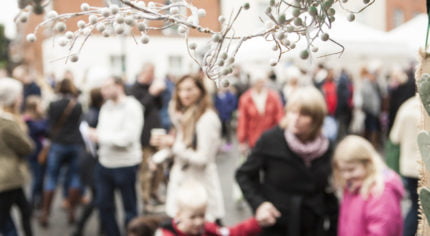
10,91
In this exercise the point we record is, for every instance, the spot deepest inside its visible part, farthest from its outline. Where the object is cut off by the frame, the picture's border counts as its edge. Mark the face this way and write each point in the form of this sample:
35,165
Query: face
147,75
188,92
109,90
191,220
298,123
353,173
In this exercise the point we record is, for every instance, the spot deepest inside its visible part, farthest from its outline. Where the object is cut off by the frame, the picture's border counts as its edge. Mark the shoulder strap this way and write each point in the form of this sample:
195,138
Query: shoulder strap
60,122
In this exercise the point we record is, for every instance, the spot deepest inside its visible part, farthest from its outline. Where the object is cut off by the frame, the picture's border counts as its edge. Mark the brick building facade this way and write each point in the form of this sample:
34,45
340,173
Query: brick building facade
400,11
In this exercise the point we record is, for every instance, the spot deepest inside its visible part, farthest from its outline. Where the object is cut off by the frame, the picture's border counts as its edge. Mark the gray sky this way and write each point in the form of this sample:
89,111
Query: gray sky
7,12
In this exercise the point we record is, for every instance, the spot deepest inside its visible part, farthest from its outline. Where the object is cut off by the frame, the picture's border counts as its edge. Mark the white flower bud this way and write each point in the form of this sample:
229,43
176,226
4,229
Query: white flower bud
201,12
85,6
106,33
101,27
225,83
280,35
141,26
315,49
105,12
220,62
63,41
144,39
182,29
351,17
225,71
304,54
69,35
293,45
52,14
23,17
119,19
114,9
273,62
275,47
119,29
81,24
174,10
192,46
230,60
92,19
216,37
74,57
31,38
60,27
221,19
224,55
325,37
129,20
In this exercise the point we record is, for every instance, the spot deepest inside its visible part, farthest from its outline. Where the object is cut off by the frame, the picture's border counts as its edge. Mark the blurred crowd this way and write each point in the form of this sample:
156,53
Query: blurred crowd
322,151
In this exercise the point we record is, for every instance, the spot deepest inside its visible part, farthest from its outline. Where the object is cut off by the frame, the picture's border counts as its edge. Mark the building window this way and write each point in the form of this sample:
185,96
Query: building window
175,64
118,64
398,17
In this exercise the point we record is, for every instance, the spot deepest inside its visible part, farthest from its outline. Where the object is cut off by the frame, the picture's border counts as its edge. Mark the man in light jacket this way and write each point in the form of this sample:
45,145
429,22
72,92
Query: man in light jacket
118,135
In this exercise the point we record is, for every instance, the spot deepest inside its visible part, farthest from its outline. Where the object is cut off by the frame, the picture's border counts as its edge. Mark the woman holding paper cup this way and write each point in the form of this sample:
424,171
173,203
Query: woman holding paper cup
194,144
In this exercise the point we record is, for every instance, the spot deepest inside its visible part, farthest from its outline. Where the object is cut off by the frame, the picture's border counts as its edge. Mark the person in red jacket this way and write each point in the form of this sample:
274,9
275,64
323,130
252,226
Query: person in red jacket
190,217
260,109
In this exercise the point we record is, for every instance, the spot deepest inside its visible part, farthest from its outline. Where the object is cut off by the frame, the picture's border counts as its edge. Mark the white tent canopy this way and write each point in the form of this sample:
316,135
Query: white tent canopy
411,34
358,39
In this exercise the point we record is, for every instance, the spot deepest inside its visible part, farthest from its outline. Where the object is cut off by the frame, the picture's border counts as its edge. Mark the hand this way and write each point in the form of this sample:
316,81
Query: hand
92,135
243,148
266,214
156,88
162,141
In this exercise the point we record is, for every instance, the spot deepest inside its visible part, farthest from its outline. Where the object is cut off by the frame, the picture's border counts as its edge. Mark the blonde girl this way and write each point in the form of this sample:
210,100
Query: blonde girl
371,192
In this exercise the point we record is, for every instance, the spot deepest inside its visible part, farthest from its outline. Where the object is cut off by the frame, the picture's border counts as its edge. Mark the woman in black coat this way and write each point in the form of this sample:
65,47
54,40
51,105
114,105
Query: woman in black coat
286,177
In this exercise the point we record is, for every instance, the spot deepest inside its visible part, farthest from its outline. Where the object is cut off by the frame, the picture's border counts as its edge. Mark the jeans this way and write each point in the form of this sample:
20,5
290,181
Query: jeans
37,174
108,180
411,219
59,155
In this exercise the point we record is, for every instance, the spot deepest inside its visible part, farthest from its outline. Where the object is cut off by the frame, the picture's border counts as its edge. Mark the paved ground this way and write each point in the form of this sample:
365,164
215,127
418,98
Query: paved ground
227,162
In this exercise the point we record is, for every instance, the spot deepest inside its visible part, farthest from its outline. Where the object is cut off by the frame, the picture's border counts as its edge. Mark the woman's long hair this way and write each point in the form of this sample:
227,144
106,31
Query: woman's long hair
191,114
356,149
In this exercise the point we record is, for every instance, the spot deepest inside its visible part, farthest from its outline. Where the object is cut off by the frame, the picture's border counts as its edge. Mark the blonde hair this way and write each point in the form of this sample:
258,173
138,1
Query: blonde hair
191,195
309,101
355,149
192,113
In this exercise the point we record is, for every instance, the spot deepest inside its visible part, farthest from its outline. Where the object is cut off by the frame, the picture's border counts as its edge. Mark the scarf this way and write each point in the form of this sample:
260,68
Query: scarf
307,151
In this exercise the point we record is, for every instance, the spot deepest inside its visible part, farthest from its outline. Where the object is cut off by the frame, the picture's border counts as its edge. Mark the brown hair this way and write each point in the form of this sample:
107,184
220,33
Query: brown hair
145,225
309,101
193,113
96,98
31,104
67,87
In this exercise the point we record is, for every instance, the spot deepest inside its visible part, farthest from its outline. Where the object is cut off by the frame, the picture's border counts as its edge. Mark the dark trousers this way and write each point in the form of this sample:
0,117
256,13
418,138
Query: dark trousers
7,200
108,180
411,219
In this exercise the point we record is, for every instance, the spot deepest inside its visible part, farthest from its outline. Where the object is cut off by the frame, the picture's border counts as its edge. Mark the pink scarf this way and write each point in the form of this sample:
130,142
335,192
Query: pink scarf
308,151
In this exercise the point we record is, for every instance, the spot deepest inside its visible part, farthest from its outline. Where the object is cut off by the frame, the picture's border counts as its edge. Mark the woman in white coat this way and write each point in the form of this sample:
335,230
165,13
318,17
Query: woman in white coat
194,144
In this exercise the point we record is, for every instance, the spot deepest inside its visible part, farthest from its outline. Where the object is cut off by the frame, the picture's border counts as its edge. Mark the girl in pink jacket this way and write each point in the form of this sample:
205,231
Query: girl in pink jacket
372,192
